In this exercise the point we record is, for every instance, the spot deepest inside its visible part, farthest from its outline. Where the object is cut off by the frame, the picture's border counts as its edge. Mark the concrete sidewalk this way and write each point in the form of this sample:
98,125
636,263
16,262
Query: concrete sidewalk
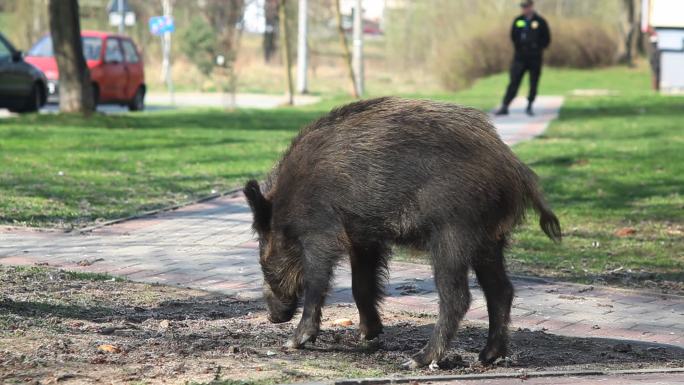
220,100
517,126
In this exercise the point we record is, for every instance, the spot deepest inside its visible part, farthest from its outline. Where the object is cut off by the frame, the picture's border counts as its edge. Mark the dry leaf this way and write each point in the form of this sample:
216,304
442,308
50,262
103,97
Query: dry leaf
343,322
625,232
108,348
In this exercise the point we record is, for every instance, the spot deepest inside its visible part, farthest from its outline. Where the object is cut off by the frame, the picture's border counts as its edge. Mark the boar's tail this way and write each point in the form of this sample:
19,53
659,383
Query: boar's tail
547,219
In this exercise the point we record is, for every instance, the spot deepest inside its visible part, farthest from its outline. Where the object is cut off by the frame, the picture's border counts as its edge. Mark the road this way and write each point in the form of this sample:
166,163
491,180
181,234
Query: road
156,101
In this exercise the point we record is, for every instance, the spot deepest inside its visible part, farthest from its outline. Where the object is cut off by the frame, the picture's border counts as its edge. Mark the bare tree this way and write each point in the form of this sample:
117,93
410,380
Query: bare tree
345,48
75,88
271,32
225,18
630,28
287,55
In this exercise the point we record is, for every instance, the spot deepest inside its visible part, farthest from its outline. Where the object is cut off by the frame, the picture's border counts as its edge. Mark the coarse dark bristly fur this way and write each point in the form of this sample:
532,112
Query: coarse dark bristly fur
434,176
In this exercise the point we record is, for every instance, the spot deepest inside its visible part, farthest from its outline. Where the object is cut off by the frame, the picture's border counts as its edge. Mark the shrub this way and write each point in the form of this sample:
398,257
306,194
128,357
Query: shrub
461,61
198,44
579,43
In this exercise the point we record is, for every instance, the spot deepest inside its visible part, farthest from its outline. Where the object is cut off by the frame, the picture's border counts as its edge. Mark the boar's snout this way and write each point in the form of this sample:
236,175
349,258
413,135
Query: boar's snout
279,311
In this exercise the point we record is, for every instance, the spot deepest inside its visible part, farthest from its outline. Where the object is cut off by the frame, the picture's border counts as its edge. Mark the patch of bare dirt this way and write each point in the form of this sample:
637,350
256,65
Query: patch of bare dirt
58,328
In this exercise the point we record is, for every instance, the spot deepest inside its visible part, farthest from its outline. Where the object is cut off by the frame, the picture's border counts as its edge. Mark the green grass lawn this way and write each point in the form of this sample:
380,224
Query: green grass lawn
611,164
608,163
64,170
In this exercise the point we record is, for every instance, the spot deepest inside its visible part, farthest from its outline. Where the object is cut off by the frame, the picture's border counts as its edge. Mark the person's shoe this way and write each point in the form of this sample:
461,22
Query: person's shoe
529,111
502,111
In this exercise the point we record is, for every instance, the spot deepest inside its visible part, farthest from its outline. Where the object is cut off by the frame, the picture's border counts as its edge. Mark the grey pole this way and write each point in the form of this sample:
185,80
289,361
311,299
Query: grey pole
302,49
122,13
357,55
166,51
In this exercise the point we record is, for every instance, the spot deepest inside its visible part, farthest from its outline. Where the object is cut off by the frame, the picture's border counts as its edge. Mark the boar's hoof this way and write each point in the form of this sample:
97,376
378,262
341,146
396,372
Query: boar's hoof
490,354
370,345
413,364
369,336
297,342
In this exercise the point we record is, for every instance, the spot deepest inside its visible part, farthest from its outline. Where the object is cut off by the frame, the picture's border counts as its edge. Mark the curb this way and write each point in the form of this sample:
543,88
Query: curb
522,375
144,214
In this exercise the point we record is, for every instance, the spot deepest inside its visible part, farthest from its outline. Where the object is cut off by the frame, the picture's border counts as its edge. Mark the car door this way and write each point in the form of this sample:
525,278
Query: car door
134,68
15,81
5,76
114,72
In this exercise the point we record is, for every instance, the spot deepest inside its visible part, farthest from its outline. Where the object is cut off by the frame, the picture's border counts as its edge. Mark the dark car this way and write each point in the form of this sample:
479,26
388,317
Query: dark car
23,87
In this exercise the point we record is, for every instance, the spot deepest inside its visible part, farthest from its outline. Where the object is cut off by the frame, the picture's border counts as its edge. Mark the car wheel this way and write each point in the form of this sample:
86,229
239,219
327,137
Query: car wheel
96,96
138,101
34,101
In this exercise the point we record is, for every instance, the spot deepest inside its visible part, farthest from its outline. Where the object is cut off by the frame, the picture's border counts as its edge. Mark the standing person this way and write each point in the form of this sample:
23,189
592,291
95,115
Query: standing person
530,35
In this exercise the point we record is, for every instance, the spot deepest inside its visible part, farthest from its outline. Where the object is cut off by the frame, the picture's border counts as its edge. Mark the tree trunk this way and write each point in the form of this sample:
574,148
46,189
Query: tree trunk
345,48
631,27
285,43
75,89
271,32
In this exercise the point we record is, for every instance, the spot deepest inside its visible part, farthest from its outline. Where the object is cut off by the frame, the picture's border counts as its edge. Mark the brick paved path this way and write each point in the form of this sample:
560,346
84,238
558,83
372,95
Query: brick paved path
209,246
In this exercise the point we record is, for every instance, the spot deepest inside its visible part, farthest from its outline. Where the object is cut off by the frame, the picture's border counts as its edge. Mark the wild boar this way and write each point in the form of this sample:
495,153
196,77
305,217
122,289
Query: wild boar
380,172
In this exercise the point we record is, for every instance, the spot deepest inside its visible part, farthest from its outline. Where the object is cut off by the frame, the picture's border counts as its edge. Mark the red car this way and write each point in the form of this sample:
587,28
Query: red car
116,68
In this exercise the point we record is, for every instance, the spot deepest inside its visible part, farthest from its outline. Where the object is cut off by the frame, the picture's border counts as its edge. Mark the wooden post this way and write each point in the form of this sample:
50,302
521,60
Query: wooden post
345,48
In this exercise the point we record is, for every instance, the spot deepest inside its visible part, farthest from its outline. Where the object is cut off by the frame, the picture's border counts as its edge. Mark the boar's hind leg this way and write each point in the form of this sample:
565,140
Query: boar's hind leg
450,269
491,273
369,269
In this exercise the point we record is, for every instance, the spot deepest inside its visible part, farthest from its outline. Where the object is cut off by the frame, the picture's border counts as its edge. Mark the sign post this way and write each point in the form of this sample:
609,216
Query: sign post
163,26
120,14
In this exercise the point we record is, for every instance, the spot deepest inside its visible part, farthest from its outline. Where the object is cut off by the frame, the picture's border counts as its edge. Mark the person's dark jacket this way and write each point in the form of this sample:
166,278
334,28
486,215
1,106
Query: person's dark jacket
530,37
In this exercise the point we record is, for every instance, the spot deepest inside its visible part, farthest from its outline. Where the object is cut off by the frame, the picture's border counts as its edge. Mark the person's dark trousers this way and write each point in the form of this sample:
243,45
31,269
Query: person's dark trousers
518,69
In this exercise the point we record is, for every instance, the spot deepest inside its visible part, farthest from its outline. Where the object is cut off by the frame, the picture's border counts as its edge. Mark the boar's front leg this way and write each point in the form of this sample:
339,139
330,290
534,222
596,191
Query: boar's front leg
318,270
450,267
369,268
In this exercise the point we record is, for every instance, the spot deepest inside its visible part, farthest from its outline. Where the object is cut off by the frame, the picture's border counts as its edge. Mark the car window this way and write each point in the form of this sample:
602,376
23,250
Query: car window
92,48
5,52
129,51
113,51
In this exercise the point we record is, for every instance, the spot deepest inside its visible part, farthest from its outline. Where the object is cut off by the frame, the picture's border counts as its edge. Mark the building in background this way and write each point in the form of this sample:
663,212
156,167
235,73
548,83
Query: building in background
664,21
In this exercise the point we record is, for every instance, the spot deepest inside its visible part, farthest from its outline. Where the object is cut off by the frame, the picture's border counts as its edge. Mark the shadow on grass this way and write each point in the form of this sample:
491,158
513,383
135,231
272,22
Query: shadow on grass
251,119
623,107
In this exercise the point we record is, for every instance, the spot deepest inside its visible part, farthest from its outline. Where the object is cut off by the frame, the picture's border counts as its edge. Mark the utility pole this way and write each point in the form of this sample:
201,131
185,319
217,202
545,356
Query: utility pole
302,49
357,58
166,51
122,13
285,43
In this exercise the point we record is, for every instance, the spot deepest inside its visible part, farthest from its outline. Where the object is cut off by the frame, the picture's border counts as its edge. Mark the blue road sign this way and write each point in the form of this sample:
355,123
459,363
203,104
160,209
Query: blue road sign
159,25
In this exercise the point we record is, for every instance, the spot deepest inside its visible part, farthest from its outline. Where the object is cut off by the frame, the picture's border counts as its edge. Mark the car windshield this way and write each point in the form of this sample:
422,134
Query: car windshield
92,48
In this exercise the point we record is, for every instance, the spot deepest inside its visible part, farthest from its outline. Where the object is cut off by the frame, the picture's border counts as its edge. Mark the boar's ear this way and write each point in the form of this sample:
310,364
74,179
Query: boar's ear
261,207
